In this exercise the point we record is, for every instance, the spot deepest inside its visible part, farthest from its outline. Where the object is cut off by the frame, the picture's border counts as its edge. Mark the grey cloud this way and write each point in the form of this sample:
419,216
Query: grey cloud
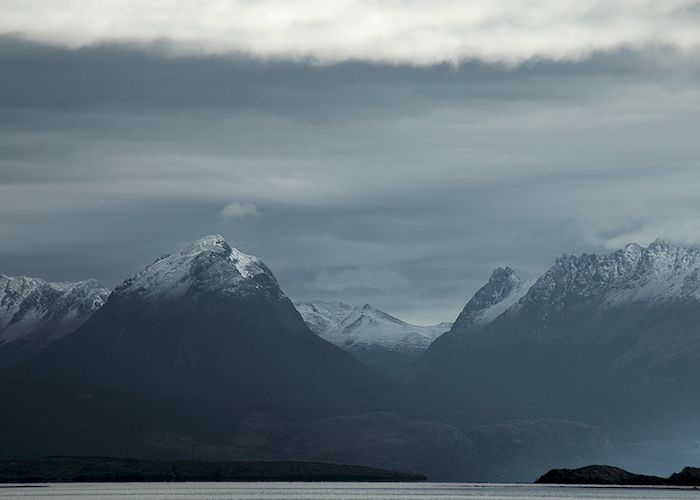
238,210
110,157
118,79
362,278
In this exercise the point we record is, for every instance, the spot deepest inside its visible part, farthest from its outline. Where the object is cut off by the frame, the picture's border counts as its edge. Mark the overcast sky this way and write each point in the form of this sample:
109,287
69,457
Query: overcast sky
387,152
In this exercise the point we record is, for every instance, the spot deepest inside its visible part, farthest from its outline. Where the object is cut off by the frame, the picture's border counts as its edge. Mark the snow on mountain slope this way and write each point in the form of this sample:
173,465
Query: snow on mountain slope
32,308
503,290
653,275
209,264
365,327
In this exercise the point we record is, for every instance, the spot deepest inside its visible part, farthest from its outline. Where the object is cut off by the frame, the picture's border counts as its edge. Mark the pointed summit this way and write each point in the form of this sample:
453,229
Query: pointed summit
209,264
500,285
503,290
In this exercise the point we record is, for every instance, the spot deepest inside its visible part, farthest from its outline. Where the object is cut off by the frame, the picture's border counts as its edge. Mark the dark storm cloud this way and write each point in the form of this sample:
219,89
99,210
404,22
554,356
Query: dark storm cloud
118,79
427,177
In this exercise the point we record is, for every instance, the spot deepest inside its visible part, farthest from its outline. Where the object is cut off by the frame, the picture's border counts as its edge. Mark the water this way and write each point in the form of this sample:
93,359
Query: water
335,491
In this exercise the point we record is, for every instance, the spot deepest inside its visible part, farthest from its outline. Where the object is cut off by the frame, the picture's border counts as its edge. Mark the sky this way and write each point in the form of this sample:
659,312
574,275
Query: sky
385,152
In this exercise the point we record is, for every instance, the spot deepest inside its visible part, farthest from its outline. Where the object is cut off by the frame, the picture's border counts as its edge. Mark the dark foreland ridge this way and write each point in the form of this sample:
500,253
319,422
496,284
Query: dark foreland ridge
107,469
606,474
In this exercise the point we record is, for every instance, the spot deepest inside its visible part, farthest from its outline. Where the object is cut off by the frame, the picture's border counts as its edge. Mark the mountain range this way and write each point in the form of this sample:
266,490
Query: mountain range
201,355
612,339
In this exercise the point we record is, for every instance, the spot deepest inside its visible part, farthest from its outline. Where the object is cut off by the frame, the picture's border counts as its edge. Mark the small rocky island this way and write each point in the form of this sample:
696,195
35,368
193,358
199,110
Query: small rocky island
107,469
606,474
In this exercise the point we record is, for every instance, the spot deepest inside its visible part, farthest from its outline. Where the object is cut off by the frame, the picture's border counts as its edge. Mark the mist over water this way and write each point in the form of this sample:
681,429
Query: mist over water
337,491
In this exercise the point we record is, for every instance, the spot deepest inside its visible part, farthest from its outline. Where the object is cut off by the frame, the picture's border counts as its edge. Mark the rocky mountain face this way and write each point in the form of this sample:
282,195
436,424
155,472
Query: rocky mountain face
205,320
374,337
597,337
35,313
503,290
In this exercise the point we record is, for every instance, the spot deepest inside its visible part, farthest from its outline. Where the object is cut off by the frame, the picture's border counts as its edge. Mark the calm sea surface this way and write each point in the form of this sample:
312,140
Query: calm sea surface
333,491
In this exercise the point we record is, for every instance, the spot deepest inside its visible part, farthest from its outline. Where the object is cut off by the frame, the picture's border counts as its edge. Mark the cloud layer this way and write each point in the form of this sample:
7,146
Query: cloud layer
417,32
395,185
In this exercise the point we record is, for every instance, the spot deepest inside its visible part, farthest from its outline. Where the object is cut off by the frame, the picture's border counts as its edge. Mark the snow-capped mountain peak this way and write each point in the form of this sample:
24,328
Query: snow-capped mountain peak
365,327
41,311
503,290
635,274
208,264
657,273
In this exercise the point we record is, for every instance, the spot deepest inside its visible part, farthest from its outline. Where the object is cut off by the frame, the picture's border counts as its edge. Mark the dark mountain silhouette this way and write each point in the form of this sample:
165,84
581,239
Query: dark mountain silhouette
208,320
605,474
106,469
